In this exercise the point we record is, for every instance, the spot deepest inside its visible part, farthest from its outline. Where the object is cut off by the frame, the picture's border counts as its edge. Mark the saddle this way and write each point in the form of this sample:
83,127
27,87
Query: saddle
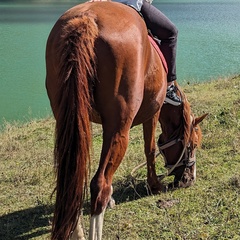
155,43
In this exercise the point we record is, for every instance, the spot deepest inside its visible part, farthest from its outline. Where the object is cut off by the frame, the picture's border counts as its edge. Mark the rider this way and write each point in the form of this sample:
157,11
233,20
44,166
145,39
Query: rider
166,32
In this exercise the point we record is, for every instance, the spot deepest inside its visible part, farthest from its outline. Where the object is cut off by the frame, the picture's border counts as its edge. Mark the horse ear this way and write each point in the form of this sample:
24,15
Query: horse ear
199,119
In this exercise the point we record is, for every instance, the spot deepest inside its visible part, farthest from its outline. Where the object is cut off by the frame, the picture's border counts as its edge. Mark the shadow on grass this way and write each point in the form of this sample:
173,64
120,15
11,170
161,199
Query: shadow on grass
130,190
34,222
26,224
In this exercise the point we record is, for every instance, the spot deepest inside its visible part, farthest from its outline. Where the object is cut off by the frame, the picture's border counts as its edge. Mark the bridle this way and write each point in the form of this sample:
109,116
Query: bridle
185,159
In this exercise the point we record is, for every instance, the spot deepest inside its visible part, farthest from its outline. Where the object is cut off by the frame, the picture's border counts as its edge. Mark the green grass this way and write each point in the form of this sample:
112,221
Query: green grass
208,210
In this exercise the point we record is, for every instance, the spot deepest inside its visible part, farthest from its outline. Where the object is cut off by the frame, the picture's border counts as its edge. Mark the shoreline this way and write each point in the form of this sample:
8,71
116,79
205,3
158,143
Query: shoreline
184,86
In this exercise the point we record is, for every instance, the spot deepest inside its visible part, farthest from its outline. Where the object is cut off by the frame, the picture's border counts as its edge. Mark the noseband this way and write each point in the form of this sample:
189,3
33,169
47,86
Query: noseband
186,161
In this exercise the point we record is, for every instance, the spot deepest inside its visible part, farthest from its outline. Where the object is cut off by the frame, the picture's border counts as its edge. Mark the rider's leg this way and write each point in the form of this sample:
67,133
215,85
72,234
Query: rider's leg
164,30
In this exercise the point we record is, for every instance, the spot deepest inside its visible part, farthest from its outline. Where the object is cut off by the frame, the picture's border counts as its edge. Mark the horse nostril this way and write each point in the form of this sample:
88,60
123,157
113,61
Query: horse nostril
185,179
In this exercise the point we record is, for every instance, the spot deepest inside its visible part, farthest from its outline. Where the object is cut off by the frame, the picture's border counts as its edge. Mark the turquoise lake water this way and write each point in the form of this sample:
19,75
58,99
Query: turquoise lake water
208,48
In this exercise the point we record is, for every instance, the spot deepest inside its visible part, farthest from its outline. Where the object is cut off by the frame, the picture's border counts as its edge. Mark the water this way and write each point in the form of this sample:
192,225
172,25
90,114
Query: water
209,33
23,33
208,48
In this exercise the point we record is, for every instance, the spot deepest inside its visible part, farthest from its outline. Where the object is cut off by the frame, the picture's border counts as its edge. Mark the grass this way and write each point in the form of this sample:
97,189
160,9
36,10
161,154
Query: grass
208,210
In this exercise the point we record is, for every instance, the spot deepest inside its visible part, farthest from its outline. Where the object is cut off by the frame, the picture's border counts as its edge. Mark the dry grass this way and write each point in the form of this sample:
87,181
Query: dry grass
208,210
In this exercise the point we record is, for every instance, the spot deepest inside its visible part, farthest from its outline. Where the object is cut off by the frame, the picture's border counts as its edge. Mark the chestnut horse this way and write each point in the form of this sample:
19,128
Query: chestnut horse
101,67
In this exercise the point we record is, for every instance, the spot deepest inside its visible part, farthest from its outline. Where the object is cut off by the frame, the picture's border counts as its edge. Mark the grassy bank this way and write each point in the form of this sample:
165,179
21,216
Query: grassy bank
208,210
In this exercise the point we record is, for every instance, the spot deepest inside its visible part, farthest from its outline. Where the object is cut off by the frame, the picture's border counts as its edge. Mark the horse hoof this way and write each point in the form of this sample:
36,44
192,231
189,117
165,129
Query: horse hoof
111,203
157,189
173,185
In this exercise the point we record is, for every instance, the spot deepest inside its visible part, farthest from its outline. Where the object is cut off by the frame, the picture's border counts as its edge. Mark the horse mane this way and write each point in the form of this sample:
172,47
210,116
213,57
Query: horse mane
189,122
187,113
187,119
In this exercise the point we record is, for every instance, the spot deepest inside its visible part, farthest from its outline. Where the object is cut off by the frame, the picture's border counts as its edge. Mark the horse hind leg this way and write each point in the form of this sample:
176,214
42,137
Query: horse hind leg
78,233
115,141
96,222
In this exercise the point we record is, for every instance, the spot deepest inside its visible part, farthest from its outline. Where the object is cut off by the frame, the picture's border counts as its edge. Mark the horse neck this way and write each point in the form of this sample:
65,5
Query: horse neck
172,122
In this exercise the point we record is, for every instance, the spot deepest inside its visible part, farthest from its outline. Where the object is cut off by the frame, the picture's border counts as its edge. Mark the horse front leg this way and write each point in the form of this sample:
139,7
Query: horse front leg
149,129
114,147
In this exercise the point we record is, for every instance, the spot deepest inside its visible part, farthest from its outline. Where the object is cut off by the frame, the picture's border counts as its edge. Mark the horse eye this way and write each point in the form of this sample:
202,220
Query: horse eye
196,129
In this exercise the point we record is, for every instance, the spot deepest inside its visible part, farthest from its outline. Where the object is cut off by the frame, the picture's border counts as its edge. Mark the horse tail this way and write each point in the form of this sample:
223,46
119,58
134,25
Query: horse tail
73,127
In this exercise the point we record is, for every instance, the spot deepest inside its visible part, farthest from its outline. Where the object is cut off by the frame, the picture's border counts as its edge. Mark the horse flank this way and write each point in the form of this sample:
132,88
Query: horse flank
73,132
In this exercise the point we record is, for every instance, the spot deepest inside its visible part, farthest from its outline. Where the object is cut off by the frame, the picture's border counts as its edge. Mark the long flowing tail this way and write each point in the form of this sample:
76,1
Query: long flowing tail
73,132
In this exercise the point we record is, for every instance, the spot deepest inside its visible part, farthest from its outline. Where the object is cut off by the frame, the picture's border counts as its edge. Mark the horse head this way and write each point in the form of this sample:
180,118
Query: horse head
181,135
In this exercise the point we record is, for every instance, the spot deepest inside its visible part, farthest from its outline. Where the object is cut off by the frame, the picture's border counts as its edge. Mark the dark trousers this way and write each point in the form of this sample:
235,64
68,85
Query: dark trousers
161,27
